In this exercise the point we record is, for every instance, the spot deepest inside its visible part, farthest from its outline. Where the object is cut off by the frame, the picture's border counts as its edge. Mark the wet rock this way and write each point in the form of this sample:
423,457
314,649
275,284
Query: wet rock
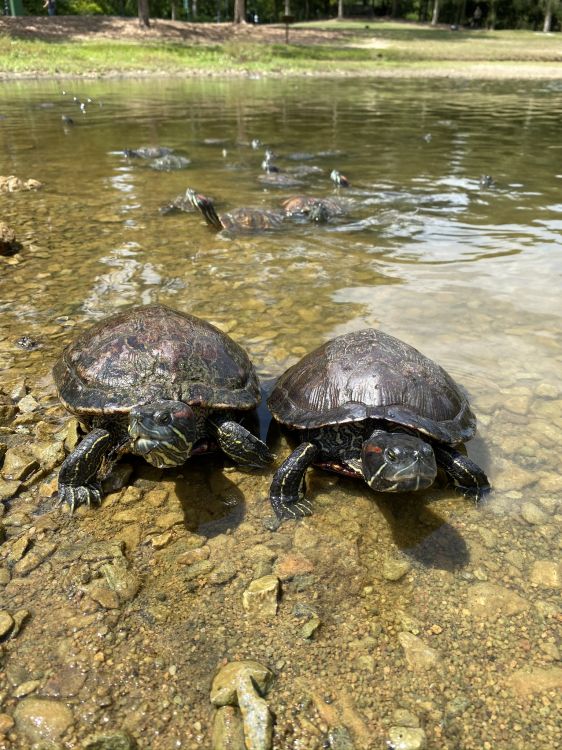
198,570
27,687
9,488
98,551
526,682
293,564
28,404
237,683
20,617
109,741
511,476
406,738
419,657
159,541
340,739
124,582
395,568
12,184
533,514
33,559
310,627
6,724
8,410
19,463
66,682
547,574
404,718
8,243
172,518
102,594
490,601
6,623
42,719
194,555
228,729
260,598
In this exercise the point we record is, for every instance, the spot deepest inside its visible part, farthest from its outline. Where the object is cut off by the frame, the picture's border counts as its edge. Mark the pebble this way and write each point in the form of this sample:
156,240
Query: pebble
33,559
533,514
225,683
310,627
42,719
293,564
401,717
19,463
547,574
526,682
6,723
406,738
109,741
9,488
419,657
394,568
6,623
490,601
261,597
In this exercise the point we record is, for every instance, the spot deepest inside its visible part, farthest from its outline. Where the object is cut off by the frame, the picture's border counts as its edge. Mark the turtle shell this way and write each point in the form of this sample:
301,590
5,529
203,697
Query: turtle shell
371,375
152,353
251,219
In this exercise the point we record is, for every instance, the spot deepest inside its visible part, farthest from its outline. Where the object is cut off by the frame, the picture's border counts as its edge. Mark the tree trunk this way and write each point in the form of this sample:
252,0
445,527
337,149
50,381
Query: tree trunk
395,12
492,15
173,10
547,18
287,7
239,11
340,10
144,14
435,14
193,10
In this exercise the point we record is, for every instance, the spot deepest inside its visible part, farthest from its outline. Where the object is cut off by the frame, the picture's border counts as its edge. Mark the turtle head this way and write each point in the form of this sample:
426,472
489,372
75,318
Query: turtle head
163,432
206,207
319,213
396,462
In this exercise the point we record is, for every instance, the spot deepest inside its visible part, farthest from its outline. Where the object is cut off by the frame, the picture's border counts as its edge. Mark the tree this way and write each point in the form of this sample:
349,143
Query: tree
435,14
550,6
144,15
239,11
340,10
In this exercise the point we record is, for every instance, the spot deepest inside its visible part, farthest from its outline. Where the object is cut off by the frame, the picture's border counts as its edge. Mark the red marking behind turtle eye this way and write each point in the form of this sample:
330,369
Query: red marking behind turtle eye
374,449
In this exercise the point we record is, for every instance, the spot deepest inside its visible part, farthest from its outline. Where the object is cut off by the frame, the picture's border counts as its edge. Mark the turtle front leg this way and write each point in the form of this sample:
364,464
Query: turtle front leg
240,444
78,475
467,476
286,493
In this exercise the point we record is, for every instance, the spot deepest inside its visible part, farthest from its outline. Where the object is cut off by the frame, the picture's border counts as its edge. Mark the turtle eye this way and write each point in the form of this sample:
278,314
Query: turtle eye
162,417
390,455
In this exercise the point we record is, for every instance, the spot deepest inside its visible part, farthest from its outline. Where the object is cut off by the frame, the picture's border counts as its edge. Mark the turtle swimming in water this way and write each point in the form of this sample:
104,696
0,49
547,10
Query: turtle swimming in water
147,152
368,405
238,220
159,383
315,209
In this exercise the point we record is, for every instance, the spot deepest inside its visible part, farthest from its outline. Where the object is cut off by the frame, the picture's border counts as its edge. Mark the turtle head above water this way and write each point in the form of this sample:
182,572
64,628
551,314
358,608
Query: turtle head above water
163,432
397,462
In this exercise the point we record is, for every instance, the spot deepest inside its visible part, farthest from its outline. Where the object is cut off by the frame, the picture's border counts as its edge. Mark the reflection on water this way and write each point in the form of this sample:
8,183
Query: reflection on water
468,274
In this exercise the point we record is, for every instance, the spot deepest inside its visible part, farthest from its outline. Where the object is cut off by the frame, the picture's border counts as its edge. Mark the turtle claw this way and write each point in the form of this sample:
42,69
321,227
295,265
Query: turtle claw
294,510
86,494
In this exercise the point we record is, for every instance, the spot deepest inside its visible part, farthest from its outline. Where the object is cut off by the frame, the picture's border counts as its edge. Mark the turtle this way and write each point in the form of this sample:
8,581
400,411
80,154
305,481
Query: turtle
147,152
169,163
158,383
238,220
370,406
315,209
180,203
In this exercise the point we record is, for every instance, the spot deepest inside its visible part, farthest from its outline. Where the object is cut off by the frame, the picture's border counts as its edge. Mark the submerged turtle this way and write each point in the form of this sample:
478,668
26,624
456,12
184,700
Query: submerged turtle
147,152
159,383
169,163
238,220
315,209
368,405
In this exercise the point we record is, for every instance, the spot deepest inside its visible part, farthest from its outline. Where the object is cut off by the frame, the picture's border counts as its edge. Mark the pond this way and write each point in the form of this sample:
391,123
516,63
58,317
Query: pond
438,619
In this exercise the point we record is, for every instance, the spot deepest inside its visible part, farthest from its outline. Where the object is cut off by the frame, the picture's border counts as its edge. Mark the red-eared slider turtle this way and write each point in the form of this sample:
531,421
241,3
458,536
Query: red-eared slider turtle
368,405
339,179
238,220
147,152
159,383
315,209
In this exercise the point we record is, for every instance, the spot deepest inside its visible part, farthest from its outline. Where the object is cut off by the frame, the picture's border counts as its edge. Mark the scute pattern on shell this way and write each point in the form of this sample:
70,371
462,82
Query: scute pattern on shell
151,353
251,219
370,374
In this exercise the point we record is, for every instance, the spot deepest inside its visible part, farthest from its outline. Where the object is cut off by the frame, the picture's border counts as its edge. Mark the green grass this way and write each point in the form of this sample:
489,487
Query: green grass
361,50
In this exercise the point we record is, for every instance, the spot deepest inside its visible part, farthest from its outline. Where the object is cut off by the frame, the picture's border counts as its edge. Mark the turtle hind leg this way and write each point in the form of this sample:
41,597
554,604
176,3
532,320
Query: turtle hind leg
287,489
467,476
78,475
241,445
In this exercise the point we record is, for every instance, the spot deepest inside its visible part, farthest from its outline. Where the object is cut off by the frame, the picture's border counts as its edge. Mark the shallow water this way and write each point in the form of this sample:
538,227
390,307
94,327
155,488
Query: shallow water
469,275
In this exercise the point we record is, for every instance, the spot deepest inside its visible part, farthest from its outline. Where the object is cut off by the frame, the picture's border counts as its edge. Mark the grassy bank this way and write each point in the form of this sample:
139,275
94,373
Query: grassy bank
348,48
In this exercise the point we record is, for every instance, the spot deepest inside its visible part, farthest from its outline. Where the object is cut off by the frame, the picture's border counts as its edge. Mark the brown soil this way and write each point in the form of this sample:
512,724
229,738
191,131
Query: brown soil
109,27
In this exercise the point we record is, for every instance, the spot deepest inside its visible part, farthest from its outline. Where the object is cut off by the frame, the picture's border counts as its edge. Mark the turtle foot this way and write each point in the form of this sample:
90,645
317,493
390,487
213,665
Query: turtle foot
85,494
294,510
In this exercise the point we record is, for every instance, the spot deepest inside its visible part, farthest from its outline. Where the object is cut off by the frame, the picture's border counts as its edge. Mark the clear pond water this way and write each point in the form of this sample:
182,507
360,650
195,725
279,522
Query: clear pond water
467,273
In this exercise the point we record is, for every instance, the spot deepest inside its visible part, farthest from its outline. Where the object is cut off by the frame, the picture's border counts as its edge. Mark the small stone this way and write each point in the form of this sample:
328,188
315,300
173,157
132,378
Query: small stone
225,682
511,476
131,515
228,729
19,463
159,541
120,475
456,707
42,719
33,559
488,600
25,688
292,564
121,580
6,623
526,682
167,520
547,574
9,488
198,570
103,595
8,243
260,598
533,514
66,682
419,657
6,724
394,569
547,390
191,556
310,627
406,738
28,404
110,741
401,717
